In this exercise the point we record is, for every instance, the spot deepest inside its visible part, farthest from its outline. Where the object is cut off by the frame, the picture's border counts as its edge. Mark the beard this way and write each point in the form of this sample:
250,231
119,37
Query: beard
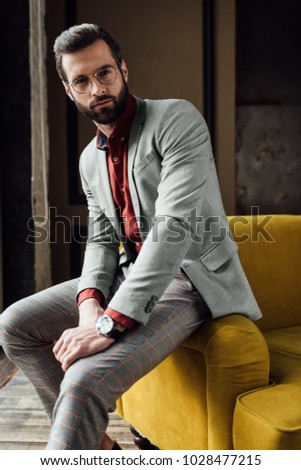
109,114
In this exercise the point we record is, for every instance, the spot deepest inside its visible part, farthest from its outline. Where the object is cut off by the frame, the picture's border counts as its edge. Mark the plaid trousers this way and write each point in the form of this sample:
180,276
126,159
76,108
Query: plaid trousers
79,400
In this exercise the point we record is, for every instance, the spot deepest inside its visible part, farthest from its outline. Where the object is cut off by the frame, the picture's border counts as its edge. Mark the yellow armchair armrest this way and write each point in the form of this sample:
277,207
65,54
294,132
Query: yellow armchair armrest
236,360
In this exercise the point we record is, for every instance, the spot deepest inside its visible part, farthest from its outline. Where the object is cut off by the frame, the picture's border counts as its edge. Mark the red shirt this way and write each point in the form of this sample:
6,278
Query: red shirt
116,147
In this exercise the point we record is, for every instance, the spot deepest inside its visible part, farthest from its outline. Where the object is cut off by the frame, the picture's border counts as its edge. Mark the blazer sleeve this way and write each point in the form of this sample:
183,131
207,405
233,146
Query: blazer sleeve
102,247
182,139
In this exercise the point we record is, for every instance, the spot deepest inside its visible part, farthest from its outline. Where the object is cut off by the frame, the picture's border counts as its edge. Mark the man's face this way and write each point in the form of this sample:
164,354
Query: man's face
102,103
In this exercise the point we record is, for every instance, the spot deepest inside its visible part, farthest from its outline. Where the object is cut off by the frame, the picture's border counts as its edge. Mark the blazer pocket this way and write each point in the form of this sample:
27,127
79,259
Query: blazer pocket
219,254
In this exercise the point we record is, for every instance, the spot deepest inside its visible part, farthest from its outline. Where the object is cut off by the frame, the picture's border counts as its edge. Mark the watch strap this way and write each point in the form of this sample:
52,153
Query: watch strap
115,333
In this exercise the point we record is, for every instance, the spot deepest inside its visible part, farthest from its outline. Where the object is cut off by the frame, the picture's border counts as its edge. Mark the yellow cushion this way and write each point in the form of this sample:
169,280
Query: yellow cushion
270,418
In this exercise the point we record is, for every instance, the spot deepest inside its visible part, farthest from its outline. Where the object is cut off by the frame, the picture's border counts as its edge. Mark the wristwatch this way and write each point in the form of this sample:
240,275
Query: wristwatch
106,327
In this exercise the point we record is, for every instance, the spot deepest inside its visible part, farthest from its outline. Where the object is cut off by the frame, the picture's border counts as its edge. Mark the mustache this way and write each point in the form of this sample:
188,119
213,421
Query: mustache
99,99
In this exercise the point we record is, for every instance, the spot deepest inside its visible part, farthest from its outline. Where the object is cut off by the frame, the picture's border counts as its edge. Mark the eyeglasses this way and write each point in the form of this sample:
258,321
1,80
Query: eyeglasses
105,75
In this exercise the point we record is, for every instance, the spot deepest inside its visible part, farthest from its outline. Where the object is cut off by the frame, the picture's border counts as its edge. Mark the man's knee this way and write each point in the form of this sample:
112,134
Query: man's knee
12,325
9,320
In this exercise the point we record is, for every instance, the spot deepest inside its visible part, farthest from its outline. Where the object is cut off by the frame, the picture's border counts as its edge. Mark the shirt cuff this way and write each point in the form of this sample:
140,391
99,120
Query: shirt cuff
91,294
120,318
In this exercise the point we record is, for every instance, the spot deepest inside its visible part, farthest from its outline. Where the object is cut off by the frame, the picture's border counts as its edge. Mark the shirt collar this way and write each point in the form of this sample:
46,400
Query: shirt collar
123,125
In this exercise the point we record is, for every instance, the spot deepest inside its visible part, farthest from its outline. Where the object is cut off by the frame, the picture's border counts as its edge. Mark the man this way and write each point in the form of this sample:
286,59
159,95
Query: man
150,182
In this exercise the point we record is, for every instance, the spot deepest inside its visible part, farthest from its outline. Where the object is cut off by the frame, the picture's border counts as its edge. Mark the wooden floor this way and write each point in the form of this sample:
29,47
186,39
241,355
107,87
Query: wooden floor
23,423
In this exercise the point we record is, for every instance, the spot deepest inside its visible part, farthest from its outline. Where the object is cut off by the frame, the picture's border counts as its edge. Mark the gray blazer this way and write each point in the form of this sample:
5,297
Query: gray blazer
177,203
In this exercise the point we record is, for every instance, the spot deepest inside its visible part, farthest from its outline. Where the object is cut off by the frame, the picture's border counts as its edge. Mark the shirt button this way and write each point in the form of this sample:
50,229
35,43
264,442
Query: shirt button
122,189
122,139
115,159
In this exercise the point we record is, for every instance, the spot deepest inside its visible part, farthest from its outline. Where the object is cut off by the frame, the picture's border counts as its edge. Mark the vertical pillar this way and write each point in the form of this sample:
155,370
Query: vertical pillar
39,143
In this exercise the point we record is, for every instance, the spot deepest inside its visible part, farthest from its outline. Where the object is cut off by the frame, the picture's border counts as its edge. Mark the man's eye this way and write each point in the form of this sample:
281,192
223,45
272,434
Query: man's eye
104,73
80,80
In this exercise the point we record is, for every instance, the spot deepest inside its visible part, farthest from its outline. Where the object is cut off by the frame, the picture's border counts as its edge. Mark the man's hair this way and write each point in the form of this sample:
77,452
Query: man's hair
78,37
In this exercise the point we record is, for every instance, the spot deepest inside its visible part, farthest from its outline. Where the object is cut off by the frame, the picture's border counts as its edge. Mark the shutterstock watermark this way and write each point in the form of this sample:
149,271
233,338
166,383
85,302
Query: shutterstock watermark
258,228
56,228
175,230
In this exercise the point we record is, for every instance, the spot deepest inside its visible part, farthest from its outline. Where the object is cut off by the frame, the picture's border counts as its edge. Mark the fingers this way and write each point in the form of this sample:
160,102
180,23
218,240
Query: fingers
68,357
61,345
77,343
57,349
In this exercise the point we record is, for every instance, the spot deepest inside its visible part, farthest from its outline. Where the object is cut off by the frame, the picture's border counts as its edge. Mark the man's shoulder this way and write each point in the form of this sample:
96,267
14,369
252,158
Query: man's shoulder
165,104
173,113
161,111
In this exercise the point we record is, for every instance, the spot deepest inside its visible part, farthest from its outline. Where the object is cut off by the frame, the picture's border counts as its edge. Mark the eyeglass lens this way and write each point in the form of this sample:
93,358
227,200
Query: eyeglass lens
106,76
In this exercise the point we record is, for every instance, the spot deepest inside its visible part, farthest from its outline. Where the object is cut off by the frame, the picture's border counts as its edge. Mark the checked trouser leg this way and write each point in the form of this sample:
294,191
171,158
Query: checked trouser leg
28,330
89,389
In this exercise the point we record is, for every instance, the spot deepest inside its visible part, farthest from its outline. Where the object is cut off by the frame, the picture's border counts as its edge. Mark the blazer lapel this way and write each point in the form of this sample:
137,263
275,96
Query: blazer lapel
132,151
105,189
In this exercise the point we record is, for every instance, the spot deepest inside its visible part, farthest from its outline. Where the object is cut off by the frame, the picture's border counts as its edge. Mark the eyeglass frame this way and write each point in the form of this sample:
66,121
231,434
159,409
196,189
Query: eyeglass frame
104,67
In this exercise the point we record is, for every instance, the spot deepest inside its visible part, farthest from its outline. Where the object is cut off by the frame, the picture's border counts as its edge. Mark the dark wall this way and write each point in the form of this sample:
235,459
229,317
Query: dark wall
18,255
268,85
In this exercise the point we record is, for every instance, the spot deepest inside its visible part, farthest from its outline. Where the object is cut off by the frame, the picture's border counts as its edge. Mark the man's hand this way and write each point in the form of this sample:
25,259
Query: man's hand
83,340
78,342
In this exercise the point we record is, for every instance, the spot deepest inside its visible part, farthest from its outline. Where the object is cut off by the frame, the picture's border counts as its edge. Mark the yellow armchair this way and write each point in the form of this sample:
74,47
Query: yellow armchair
207,396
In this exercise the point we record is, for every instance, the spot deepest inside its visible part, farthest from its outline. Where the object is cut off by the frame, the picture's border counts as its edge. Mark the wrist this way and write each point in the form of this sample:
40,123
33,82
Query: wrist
89,312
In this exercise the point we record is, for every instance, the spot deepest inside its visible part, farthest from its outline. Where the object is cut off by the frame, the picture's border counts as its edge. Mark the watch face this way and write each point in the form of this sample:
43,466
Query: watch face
105,324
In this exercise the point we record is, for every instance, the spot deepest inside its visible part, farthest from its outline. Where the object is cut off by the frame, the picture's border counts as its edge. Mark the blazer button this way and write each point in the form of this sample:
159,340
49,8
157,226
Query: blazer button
154,298
147,310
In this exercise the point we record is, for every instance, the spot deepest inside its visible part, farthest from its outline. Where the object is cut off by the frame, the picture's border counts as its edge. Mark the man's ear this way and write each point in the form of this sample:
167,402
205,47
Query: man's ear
68,91
124,70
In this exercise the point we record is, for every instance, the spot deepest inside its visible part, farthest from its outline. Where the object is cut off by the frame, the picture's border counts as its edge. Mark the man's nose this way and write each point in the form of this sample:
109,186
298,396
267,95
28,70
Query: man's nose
96,87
